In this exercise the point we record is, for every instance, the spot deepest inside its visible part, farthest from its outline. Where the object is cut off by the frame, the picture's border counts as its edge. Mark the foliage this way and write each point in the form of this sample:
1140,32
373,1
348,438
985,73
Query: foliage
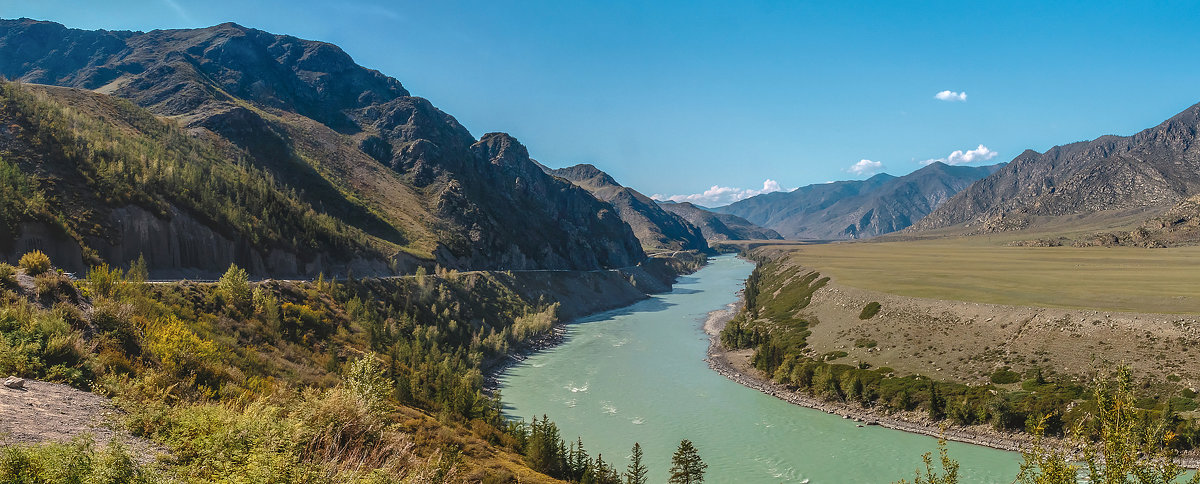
686,465
636,472
1123,446
20,199
78,461
8,276
869,311
234,286
1004,376
130,157
35,263
949,472
42,344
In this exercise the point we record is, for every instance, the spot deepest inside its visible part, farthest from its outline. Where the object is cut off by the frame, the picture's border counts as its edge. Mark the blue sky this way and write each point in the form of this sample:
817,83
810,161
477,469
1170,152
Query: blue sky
673,98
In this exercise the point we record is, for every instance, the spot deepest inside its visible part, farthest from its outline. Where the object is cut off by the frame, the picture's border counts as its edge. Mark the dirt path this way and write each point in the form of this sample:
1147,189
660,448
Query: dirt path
50,412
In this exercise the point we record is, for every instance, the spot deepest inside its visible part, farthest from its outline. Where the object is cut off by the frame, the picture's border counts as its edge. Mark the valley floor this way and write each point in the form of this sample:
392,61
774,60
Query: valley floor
955,340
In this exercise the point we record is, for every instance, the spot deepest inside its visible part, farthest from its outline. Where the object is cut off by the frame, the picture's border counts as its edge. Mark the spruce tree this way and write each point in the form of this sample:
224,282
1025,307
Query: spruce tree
686,466
937,404
636,472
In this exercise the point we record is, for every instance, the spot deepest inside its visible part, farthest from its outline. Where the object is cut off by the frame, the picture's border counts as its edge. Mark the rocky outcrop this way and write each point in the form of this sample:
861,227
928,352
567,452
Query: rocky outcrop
858,209
654,227
719,227
1157,167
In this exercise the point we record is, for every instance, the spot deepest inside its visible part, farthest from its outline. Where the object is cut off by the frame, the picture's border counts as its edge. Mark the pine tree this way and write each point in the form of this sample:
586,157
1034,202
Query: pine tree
937,404
686,466
636,472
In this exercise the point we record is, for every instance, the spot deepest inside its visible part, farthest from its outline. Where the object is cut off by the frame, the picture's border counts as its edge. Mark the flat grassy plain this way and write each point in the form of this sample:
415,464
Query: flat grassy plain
984,269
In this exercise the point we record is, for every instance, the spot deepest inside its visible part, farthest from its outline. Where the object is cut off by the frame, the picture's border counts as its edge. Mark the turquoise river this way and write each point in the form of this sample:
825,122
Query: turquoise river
638,374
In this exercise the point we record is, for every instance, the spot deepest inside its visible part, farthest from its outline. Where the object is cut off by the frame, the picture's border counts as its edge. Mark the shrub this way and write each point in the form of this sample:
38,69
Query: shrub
869,311
52,285
8,275
234,286
104,281
1004,376
35,262
180,351
77,461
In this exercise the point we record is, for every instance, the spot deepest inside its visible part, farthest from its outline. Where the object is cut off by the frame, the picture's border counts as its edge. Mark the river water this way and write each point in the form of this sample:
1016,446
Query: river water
638,374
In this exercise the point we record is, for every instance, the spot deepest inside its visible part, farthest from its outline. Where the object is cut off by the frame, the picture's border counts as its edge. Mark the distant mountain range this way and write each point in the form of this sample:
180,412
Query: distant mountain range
401,179
1155,169
718,227
858,208
654,227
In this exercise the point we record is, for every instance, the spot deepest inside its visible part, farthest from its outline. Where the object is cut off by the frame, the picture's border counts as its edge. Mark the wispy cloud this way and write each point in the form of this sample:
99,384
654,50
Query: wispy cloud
866,167
179,10
951,96
717,195
960,157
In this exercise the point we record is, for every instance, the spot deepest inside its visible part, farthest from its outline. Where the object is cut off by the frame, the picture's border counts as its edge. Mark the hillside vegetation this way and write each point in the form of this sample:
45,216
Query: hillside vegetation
777,323
69,159
368,380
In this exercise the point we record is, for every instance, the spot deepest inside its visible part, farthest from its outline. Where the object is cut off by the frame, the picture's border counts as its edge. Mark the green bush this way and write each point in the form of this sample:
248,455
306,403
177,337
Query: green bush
1005,376
78,461
35,262
869,311
8,275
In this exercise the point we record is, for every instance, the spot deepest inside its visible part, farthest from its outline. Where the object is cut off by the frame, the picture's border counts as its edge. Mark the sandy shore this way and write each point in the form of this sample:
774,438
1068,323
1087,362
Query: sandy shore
735,365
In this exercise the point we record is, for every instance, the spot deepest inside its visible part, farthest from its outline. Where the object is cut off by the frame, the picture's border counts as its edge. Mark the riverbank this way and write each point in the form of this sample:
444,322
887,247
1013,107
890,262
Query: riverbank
736,366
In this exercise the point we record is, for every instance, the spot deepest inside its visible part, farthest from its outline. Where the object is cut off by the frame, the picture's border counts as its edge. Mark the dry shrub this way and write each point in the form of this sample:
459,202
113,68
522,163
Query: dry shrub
50,286
347,435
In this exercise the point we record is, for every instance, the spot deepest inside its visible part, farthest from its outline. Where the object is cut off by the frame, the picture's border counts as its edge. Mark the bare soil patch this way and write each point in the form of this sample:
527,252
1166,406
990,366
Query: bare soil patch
50,412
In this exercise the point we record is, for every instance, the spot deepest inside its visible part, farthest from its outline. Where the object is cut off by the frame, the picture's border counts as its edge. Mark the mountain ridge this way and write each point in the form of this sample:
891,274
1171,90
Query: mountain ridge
654,227
1154,168
348,140
855,209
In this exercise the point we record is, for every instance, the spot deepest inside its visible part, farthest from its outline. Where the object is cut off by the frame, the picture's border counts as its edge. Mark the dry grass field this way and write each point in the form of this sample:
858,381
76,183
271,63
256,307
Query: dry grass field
983,269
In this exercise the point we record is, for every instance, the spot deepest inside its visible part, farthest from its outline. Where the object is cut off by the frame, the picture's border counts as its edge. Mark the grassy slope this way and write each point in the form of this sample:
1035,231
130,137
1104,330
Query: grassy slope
982,269
234,382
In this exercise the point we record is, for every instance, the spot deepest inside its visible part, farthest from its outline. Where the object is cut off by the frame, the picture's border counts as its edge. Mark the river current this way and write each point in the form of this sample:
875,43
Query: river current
638,374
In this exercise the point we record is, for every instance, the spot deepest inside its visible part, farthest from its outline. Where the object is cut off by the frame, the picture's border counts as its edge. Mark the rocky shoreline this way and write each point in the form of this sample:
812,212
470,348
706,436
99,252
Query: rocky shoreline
492,370
721,361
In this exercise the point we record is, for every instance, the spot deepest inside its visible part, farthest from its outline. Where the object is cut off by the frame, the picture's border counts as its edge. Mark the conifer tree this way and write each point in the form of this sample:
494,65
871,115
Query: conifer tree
686,465
636,472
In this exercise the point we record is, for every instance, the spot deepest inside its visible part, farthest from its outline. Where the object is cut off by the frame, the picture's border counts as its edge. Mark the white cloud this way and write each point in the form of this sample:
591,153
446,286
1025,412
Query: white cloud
951,96
866,167
717,195
960,157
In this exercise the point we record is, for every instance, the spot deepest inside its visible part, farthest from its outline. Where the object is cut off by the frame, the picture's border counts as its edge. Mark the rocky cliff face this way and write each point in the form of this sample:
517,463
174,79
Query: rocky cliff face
858,209
718,227
654,227
1157,167
350,141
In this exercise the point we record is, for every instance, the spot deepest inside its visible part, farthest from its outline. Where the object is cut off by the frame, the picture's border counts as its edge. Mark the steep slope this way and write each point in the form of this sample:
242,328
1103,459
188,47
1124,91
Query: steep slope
88,178
1157,167
861,209
719,226
654,227
348,140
